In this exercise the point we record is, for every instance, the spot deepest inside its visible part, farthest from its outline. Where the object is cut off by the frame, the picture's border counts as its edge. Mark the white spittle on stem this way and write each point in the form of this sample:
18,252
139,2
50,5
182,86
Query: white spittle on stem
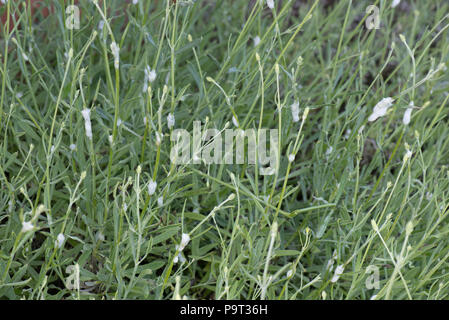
295,111
185,239
150,76
60,240
408,114
116,53
291,158
395,3
170,120
27,226
158,139
381,108
338,272
152,187
235,122
256,41
87,123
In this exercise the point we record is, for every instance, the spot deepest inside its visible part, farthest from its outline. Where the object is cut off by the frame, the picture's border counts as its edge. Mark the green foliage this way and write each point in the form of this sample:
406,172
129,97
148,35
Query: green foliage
349,198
